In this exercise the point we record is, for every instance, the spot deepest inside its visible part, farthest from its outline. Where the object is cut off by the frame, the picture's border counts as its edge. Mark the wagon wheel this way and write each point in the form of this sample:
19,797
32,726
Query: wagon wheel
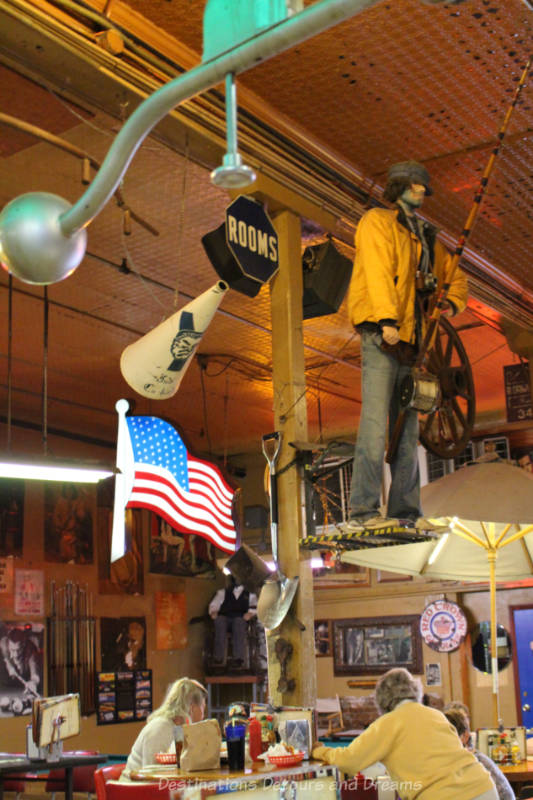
447,430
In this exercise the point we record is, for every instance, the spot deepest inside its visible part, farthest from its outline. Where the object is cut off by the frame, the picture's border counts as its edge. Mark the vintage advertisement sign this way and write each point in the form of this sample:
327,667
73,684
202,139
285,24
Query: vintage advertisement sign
6,575
517,392
29,592
170,620
443,626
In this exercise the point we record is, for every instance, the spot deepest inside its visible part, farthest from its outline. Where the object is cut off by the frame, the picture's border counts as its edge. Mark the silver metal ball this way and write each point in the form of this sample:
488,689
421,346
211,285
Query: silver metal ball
32,245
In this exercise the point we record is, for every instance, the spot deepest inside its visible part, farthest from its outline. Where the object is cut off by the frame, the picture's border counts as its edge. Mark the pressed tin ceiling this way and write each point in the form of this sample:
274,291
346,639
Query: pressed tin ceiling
400,80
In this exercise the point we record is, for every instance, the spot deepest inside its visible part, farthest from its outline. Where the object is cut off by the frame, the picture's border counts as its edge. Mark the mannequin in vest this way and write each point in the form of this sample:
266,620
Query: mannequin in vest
231,608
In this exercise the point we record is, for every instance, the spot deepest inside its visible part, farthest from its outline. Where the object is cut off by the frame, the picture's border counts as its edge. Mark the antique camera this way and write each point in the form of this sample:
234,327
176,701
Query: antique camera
425,282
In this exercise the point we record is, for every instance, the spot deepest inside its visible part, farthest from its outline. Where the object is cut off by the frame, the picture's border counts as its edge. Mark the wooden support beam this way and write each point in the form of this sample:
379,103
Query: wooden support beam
290,418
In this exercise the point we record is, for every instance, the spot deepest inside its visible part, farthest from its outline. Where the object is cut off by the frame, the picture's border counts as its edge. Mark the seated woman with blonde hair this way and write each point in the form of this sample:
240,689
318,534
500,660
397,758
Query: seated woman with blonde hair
184,703
419,748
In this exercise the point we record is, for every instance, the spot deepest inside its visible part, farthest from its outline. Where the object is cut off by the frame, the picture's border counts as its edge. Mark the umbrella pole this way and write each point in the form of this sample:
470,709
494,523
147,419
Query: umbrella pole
493,636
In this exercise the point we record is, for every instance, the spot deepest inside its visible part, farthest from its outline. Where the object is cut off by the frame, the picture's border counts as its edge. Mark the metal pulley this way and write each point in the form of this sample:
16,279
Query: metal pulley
420,390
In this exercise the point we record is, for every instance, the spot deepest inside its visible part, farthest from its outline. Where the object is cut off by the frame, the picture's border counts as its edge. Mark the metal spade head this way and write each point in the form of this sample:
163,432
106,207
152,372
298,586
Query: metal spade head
277,594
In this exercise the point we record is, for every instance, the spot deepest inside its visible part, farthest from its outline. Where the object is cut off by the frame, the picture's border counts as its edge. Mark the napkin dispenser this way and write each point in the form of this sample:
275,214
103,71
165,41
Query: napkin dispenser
201,746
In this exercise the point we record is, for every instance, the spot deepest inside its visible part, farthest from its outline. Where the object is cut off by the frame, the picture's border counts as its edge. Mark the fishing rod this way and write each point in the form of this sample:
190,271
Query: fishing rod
418,379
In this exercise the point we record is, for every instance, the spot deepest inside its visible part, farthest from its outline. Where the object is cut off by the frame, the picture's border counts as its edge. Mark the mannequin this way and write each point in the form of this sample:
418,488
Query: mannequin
231,608
399,265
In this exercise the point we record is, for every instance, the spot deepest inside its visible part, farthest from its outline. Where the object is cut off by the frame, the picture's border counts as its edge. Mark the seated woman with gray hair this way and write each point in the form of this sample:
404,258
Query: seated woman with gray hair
419,748
184,703
461,722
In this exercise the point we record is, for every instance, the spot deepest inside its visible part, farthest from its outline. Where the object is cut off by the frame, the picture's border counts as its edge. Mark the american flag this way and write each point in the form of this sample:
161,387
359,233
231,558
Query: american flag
190,494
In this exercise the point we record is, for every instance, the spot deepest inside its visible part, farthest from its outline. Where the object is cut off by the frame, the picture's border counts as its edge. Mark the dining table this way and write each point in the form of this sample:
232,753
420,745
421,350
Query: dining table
519,774
13,765
307,780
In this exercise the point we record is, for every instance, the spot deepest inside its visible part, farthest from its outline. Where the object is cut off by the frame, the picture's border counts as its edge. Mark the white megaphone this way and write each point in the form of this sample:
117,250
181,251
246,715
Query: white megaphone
155,364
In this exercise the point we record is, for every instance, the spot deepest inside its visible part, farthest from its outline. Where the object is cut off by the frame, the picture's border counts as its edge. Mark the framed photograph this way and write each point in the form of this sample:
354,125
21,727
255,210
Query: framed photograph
373,645
392,577
322,637
341,575
123,643
433,676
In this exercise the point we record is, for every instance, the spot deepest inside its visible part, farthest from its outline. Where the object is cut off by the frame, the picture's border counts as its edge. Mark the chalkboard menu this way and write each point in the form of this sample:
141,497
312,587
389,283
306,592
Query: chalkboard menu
123,696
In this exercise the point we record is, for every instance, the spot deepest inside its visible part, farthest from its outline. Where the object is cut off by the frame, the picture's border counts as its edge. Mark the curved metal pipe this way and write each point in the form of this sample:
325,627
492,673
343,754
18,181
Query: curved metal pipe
68,147
275,40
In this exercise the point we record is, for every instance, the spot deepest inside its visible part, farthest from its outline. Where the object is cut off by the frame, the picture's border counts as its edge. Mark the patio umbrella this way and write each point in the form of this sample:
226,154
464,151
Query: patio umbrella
489,507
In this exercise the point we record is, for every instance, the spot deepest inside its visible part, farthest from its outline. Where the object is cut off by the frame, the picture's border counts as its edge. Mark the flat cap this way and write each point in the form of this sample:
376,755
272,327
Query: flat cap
412,171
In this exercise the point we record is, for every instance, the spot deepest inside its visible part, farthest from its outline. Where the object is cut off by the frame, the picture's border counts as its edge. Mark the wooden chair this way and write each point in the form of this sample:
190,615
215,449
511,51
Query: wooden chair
329,713
104,774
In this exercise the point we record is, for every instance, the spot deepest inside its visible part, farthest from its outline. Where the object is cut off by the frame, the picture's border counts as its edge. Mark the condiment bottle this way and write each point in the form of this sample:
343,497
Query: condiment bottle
516,753
499,751
254,737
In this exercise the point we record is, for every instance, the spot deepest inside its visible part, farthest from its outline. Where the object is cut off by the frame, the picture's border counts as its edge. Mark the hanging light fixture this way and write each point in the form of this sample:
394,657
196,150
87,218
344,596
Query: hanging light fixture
46,468
51,471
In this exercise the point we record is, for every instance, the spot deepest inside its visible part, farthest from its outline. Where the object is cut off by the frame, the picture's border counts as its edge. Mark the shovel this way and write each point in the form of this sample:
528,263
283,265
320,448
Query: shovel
277,592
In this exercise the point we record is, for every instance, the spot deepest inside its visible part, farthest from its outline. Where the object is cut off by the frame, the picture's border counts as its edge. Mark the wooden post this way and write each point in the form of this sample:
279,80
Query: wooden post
290,418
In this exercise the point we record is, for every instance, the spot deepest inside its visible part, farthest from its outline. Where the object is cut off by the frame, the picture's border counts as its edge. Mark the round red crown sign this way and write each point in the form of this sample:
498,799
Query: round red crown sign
443,626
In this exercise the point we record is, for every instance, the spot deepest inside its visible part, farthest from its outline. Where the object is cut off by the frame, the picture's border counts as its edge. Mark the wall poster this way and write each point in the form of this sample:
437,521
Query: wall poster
11,516
21,666
6,575
68,523
170,621
123,643
125,575
123,696
29,592
175,553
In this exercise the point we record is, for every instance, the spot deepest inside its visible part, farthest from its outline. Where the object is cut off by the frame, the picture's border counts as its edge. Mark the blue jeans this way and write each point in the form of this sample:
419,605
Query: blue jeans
381,378
239,628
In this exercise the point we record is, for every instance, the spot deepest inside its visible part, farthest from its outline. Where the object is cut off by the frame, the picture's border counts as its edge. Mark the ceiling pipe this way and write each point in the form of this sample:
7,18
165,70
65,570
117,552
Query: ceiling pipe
43,237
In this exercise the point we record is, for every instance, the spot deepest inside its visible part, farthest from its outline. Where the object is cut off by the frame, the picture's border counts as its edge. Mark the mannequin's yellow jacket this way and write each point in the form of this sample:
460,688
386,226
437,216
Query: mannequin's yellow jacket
387,255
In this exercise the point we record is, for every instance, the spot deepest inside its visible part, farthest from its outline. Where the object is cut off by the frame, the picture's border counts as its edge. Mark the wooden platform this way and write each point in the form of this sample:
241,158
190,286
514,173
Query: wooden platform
361,540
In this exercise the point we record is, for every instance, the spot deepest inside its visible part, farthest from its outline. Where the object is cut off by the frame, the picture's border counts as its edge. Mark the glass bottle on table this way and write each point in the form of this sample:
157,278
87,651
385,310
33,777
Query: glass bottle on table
514,747
500,751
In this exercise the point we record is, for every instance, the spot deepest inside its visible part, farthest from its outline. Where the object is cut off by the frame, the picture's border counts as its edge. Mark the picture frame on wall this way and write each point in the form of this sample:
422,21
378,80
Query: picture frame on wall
338,574
373,645
322,637
391,577
433,674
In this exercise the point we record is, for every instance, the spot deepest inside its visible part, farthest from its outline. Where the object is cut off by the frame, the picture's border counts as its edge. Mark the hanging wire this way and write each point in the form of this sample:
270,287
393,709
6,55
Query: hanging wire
226,420
9,359
181,218
204,403
319,412
45,372
130,263
317,379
